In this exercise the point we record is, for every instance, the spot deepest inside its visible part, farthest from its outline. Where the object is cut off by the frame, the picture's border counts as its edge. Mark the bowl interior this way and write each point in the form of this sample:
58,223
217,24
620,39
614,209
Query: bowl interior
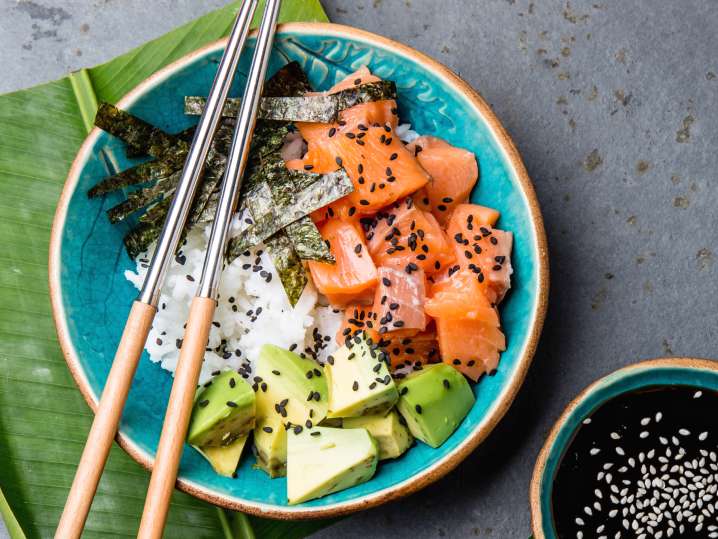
667,372
96,297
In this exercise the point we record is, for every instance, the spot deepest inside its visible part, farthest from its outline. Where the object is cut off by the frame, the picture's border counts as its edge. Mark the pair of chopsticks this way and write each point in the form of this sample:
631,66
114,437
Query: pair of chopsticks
139,322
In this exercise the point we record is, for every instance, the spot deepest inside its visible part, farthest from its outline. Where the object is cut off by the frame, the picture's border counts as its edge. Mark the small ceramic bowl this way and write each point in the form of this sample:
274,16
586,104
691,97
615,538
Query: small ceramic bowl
91,298
666,371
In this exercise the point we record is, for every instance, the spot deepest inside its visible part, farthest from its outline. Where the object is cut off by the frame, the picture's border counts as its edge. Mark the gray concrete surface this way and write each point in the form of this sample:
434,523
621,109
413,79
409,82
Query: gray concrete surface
613,106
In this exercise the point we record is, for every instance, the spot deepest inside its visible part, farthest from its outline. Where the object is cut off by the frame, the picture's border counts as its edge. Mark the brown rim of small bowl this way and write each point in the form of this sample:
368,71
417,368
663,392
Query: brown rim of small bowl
540,466
438,469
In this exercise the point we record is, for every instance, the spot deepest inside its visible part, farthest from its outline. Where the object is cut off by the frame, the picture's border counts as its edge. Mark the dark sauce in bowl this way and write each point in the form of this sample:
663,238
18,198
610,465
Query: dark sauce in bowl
642,465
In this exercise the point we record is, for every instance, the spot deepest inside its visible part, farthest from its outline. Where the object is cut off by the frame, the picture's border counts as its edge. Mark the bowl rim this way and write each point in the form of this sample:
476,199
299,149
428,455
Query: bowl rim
449,461
539,471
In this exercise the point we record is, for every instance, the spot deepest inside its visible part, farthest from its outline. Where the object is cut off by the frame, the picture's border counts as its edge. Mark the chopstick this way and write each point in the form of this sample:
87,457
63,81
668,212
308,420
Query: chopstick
109,410
179,407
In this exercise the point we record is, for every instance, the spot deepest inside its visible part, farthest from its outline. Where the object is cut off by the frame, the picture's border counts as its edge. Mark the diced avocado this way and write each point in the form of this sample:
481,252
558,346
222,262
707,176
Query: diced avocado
433,401
323,460
222,412
270,440
359,380
389,431
224,459
290,390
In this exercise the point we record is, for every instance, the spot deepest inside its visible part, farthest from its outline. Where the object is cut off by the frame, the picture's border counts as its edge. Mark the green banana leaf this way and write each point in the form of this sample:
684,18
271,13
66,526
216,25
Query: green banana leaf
43,418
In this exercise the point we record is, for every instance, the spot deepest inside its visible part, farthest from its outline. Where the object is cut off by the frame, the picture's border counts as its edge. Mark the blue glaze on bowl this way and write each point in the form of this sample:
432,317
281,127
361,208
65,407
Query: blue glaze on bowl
96,297
650,373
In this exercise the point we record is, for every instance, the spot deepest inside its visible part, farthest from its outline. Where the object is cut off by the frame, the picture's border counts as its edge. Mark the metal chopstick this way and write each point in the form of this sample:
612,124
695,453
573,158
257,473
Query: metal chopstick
139,322
179,407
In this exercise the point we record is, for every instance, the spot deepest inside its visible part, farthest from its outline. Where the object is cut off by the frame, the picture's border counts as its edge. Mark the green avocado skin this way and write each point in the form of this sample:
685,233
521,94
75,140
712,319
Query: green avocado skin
434,401
222,412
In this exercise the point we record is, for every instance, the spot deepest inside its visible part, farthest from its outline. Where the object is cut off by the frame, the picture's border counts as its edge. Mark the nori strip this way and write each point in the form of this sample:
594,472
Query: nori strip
308,242
156,213
289,266
133,151
136,200
144,173
290,80
320,108
141,135
314,191
140,238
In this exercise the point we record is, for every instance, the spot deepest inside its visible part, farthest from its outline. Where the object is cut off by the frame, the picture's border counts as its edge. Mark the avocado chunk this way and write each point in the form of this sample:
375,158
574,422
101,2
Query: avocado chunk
222,412
323,460
291,391
359,380
224,459
389,431
433,401
270,441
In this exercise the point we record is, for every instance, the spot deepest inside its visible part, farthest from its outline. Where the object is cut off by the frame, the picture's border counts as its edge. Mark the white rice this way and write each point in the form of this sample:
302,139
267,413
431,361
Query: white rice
238,332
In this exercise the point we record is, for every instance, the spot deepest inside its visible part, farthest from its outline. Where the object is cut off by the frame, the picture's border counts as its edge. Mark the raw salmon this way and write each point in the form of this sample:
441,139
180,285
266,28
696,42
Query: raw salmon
408,235
359,77
481,249
354,273
420,349
460,296
357,318
470,346
399,300
323,151
341,209
454,172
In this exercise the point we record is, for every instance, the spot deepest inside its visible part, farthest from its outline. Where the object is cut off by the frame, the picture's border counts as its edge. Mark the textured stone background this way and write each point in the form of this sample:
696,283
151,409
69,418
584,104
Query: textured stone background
613,106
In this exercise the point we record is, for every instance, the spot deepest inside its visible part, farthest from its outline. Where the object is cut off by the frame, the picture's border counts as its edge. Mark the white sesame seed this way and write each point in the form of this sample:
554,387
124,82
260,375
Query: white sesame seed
594,451
587,421
703,436
697,394
615,436
684,432
645,421
659,416
644,434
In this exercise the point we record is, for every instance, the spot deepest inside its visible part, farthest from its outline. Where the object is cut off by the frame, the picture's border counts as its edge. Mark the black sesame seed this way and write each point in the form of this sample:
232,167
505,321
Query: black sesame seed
418,408
203,403
231,404
355,386
268,430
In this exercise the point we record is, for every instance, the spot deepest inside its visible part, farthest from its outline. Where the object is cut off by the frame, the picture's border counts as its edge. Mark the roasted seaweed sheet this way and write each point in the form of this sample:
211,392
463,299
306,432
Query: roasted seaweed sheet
278,199
305,108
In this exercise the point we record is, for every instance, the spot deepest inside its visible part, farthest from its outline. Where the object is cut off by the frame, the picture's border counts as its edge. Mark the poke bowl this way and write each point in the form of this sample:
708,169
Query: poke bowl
89,266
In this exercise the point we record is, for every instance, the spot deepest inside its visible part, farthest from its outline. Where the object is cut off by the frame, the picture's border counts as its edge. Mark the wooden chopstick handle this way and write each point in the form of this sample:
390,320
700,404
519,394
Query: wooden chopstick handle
179,409
107,419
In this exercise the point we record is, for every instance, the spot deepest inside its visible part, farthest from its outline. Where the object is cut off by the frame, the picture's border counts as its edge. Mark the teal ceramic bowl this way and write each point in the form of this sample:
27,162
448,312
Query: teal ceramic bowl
91,298
667,371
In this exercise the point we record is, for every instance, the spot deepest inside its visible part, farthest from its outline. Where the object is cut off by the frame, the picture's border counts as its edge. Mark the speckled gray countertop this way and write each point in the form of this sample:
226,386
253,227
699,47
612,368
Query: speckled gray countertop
614,108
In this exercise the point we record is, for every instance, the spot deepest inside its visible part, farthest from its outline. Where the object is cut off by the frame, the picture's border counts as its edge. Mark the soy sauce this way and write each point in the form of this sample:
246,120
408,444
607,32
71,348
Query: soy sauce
643,464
